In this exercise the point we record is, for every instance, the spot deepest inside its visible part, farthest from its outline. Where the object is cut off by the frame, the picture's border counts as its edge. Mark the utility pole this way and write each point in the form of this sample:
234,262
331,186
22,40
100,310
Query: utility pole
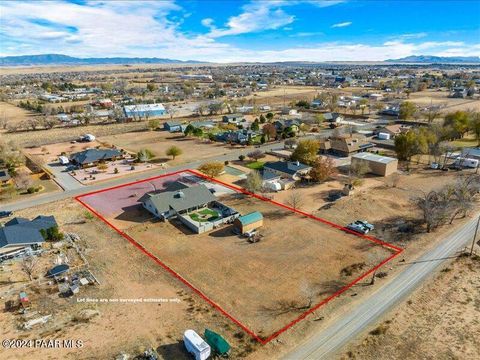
475,236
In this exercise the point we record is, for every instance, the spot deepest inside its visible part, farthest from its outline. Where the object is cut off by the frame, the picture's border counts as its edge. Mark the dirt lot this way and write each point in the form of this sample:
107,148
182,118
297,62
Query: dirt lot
159,141
13,114
432,97
124,273
441,320
299,261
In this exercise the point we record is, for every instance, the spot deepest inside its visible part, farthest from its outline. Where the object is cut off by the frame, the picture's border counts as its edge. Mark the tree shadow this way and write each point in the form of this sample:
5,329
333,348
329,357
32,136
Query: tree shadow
329,287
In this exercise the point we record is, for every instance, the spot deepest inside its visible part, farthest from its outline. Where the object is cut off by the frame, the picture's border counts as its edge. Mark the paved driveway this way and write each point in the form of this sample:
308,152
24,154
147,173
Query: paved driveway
63,178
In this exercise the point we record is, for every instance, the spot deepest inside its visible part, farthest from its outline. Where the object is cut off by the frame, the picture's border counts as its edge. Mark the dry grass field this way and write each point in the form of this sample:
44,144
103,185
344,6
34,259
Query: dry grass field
441,320
124,273
431,97
159,141
13,114
298,263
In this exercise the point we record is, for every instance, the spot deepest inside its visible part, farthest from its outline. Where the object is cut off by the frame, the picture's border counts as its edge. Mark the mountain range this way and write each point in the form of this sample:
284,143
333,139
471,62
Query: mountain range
58,59
428,59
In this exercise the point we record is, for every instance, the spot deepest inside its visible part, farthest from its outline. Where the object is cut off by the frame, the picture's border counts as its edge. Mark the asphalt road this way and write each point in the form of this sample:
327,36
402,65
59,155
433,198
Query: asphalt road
324,344
74,191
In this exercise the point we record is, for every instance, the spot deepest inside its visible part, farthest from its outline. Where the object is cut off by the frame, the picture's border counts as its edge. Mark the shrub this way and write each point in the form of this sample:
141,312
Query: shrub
115,171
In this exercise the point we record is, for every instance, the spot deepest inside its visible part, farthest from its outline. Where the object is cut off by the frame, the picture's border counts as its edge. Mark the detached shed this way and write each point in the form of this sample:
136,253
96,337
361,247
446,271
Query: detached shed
248,222
379,165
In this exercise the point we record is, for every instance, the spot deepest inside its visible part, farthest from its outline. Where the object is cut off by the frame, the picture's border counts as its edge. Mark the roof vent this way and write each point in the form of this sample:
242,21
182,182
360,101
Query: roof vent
180,195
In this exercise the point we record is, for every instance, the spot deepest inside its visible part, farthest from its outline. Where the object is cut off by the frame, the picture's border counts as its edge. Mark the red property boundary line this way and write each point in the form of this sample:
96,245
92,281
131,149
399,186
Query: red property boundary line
263,341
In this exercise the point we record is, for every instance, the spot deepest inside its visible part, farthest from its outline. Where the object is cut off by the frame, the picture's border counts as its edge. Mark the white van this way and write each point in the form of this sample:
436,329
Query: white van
63,160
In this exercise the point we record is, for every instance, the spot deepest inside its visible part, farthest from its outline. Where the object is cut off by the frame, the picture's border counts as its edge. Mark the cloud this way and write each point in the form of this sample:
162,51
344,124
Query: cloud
342,24
255,17
151,29
207,22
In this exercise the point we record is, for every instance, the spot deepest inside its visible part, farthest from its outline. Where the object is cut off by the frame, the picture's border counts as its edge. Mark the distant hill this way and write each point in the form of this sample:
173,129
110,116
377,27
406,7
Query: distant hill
58,59
436,59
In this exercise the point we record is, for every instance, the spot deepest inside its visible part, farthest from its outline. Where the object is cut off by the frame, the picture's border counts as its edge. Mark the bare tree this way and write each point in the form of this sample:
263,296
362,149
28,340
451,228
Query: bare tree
295,200
29,264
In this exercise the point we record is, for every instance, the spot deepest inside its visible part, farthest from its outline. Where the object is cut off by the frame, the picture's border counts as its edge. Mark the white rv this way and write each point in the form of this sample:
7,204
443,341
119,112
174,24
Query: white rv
468,163
195,345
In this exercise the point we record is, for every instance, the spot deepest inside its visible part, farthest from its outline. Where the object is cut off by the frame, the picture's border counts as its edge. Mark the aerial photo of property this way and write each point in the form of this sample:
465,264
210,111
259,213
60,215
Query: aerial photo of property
241,179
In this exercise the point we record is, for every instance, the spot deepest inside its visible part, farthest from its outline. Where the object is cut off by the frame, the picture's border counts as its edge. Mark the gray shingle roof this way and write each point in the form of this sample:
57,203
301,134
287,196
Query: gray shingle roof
93,155
181,200
286,167
21,231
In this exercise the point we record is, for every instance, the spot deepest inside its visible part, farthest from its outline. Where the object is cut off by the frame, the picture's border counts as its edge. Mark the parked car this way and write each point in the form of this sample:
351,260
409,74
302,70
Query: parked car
365,224
250,233
359,227
5,213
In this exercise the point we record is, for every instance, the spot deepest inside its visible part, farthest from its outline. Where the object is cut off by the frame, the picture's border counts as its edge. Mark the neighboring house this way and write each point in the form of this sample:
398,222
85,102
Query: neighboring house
391,111
345,145
5,177
166,204
91,157
249,222
379,165
459,92
233,118
144,110
293,170
172,126
316,103
20,233
393,130
281,125
333,117
239,136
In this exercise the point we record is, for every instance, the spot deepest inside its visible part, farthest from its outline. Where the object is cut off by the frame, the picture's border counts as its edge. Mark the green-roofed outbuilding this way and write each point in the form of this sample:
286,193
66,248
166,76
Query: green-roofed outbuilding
250,221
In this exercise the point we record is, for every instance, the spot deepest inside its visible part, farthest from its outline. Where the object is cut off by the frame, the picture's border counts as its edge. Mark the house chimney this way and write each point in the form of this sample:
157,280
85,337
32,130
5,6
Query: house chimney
297,163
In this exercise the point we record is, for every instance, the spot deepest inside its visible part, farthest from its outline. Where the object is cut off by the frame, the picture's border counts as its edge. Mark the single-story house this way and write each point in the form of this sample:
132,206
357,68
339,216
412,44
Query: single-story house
286,169
394,130
20,233
345,145
144,110
391,111
91,157
239,136
249,222
166,204
333,117
379,165
5,177
280,125
172,126
233,118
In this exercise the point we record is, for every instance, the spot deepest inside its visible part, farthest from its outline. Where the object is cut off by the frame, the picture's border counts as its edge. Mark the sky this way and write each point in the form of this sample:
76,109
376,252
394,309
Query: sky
241,31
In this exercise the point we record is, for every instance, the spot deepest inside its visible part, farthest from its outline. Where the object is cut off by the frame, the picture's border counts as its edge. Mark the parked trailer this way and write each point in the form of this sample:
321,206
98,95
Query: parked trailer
469,163
195,345
383,136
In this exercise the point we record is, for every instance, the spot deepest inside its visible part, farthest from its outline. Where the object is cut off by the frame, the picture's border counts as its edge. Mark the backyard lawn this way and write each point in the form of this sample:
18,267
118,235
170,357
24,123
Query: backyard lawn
255,165
204,215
